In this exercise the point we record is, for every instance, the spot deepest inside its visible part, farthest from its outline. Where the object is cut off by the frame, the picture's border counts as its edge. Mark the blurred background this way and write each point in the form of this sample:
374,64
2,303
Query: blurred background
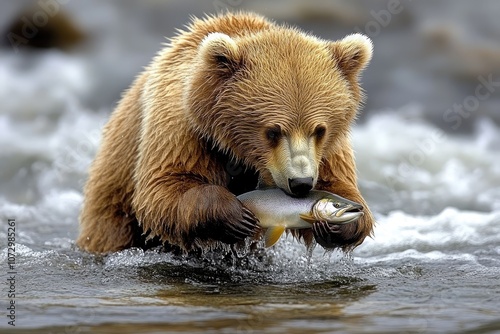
430,53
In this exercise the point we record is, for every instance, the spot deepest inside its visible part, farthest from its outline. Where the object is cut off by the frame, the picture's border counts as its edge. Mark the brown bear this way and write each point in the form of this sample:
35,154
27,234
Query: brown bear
233,103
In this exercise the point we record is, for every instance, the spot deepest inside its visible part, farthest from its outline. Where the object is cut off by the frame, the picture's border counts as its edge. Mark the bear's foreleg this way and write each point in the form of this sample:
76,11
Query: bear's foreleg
186,212
336,176
348,236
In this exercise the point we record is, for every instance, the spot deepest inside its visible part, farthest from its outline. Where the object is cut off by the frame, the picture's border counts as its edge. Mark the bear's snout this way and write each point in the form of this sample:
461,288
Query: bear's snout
300,186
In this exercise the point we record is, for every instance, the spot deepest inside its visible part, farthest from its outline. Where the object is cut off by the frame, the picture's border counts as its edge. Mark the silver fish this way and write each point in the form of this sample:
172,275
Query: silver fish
278,211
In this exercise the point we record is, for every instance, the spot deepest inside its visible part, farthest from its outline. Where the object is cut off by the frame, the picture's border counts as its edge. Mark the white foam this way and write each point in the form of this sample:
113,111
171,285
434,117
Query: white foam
26,255
134,257
408,164
452,230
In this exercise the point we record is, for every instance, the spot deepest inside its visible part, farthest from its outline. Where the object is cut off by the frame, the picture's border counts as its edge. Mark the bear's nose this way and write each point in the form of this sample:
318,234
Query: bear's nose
300,186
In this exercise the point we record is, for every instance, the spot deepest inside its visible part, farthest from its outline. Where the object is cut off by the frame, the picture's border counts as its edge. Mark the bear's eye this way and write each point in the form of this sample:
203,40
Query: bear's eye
320,131
274,134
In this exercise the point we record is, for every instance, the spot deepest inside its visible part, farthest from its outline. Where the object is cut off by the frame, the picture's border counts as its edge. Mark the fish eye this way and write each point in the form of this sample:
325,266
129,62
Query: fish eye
337,205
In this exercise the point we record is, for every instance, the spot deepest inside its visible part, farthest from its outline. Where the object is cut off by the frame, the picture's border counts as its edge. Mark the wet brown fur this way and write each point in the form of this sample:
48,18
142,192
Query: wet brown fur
158,173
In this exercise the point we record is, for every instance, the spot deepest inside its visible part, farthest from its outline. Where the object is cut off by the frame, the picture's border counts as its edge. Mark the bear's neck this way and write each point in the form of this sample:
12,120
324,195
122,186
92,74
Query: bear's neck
240,178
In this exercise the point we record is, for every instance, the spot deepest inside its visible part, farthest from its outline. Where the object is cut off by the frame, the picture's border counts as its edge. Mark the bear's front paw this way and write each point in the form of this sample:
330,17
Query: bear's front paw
332,236
230,227
235,230
220,216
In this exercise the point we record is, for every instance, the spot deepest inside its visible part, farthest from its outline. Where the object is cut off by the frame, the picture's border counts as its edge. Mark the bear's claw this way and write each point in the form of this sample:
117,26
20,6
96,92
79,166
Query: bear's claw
327,235
234,231
240,230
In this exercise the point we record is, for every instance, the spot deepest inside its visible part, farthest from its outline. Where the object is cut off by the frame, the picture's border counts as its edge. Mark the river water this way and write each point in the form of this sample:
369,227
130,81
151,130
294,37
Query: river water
432,266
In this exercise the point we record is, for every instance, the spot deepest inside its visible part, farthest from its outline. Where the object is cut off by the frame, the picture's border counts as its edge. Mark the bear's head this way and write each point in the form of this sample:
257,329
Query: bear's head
277,100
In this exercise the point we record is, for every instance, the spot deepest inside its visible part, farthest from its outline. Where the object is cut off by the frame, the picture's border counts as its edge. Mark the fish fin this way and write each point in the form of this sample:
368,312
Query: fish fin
308,218
273,234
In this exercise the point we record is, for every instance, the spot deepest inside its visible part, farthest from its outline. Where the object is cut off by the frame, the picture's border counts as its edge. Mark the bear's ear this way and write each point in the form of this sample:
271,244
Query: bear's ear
352,53
221,52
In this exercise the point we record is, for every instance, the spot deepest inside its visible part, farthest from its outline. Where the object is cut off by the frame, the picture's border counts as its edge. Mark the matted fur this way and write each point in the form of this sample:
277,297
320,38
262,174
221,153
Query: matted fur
207,99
